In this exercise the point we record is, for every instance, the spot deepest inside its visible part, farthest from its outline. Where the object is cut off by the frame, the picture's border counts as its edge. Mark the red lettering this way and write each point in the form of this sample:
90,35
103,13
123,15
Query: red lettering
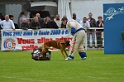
63,39
30,47
42,40
25,41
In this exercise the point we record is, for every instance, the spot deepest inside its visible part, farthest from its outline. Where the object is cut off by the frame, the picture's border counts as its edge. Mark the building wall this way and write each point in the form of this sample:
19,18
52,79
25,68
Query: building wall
13,9
83,7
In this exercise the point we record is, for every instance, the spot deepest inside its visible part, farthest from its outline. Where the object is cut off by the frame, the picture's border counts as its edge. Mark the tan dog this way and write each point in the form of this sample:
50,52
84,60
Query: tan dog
56,44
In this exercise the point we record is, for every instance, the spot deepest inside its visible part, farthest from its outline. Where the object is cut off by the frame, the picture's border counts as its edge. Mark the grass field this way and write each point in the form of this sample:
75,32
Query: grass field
19,67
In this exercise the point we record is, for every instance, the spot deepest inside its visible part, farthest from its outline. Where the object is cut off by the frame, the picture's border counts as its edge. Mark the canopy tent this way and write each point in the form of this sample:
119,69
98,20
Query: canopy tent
63,8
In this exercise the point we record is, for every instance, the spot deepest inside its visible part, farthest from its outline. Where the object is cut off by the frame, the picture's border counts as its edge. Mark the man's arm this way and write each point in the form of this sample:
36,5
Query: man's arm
12,24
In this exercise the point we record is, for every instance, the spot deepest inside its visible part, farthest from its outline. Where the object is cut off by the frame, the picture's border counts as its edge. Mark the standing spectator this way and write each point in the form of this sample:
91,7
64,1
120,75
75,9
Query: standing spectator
76,18
7,23
35,24
21,16
12,18
40,20
49,23
99,24
85,23
92,22
64,22
24,25
45,24
57,20
52,23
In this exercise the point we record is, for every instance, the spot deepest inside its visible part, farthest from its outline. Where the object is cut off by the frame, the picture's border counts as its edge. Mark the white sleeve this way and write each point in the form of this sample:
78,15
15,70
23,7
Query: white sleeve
68,27
12,24
88,24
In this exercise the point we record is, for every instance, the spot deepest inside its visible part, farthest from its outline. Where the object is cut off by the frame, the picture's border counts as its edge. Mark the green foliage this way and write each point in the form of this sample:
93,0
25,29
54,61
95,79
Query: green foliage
19,67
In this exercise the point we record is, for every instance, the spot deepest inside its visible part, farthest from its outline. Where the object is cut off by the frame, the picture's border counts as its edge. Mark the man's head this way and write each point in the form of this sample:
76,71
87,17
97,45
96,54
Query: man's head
11,17
7,17
90,15
22,13
74,16
24,20
35,19
57,17
84,19
38,15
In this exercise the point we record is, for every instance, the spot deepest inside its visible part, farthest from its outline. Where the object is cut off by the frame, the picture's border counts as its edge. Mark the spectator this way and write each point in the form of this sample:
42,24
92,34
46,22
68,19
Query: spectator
40,20
7,23
12,18
99,24
64,22
24,25
57,20
35,24
50,23
76,18
65,18
85,23
45,24
92,22
21,16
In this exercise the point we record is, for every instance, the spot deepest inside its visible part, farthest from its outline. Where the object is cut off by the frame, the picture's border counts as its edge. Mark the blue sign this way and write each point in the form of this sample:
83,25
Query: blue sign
113,26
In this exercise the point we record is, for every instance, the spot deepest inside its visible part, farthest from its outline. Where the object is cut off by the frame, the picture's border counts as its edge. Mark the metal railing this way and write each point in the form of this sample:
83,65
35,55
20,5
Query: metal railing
94,38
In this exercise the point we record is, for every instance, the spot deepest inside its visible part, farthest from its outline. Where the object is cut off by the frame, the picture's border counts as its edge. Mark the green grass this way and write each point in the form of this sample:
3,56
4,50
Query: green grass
19,67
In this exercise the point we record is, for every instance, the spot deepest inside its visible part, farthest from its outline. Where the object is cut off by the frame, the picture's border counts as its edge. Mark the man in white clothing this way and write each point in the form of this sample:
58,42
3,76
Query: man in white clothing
85,23
77,42
7,23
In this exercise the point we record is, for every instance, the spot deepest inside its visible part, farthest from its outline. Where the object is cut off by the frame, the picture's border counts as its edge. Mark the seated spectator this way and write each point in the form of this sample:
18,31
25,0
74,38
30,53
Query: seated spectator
64,22
57,20
24,25
35,24
99,24
85,23
12,18
7,23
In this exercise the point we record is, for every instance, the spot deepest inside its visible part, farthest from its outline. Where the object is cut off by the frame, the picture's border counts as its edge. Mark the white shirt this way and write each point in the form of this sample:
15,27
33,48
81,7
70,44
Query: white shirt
86,24
73,24
7,24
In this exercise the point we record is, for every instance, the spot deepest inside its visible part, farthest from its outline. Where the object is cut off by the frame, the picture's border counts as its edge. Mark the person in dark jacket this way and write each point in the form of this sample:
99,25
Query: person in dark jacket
99,24
49,23
15,24
35,24
64,22
24,25
92,22
40,20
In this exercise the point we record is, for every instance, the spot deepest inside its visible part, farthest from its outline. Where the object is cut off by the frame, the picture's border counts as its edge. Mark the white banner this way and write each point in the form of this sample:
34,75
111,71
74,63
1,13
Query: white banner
30,39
